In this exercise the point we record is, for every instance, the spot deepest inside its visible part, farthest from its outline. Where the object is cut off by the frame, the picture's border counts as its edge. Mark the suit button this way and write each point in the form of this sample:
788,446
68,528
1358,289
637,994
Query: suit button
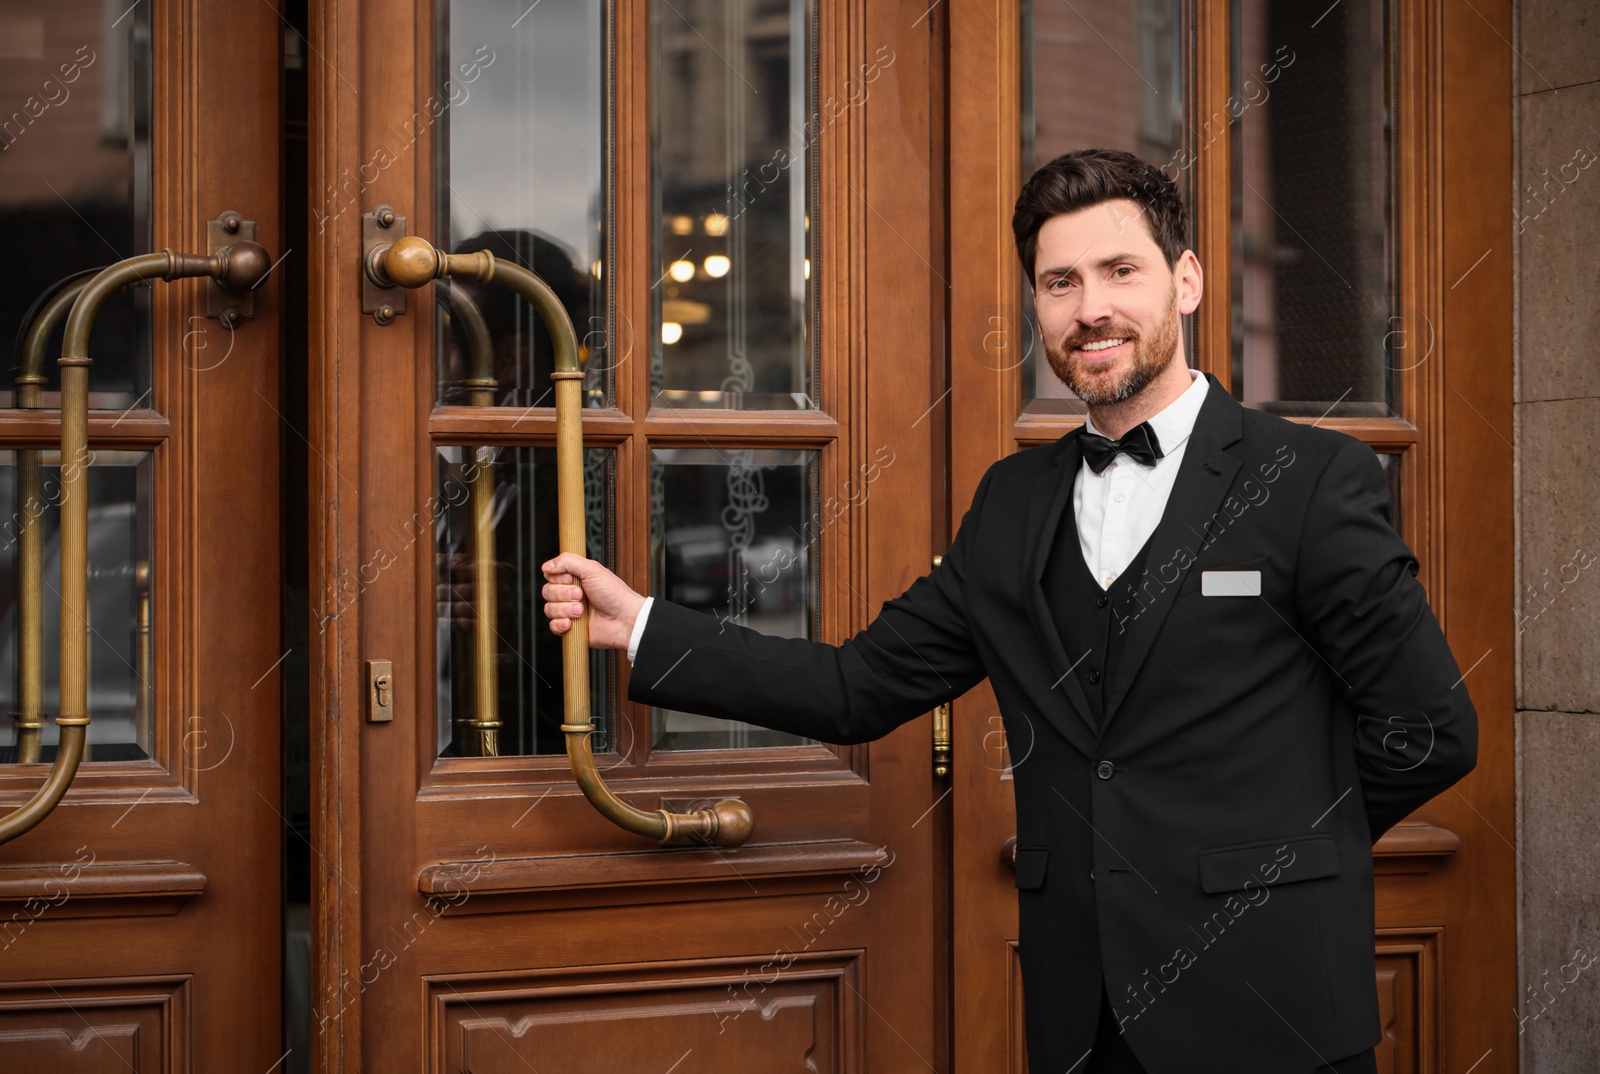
1101,601
1105,770
1094,676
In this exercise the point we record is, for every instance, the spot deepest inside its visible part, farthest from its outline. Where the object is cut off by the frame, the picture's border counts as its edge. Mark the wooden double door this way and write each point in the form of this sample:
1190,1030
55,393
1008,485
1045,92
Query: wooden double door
345,835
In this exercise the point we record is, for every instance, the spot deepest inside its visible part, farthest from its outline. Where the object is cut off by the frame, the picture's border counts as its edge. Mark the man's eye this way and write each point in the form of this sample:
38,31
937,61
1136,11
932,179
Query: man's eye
1123,271
1060,285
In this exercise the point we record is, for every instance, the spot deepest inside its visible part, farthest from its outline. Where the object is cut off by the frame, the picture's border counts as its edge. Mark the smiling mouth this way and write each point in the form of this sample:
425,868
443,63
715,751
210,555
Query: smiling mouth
1100,345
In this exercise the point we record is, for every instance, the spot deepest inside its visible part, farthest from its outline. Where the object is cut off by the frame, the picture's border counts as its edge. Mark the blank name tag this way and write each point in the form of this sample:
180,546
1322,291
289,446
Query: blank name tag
1230,583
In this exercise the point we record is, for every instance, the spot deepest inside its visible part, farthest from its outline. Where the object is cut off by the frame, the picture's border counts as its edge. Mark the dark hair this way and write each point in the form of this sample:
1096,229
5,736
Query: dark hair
1087,177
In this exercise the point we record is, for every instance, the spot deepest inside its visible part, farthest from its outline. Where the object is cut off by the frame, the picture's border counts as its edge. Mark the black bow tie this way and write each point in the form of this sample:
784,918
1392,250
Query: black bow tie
1140,445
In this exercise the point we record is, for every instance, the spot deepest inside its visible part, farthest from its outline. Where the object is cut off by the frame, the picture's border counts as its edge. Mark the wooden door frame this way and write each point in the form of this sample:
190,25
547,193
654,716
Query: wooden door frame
1454,183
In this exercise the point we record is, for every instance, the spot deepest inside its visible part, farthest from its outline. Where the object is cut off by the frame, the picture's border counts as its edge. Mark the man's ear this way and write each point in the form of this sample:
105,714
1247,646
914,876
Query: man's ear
1189,280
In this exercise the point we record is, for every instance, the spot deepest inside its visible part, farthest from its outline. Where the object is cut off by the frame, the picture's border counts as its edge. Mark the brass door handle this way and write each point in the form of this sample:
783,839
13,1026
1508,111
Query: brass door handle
411,262
239,267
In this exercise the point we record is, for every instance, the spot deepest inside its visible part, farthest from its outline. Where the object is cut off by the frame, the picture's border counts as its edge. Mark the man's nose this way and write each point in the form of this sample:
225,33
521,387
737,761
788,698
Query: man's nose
1095,305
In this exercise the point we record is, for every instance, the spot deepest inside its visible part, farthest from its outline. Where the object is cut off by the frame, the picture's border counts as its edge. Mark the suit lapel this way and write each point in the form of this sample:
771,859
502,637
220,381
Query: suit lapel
1046,512
1204,477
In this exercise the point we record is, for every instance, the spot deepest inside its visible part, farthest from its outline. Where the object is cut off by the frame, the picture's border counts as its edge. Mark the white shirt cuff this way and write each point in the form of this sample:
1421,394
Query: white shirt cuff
638,629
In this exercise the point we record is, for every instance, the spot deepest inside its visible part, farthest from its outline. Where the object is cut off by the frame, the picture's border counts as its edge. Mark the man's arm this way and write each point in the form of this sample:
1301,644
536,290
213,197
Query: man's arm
1368,618
917,653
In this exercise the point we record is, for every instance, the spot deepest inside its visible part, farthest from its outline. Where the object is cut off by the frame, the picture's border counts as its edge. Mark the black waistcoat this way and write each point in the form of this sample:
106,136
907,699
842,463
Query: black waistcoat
1082,611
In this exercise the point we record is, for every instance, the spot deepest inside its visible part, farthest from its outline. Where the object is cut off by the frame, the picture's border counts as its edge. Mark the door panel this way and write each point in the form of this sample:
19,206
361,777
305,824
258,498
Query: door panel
144,909
472,907
1443,873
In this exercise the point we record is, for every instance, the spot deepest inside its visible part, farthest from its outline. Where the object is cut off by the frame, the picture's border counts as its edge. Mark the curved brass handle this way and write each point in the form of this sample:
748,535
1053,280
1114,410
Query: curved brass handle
411,262
238,267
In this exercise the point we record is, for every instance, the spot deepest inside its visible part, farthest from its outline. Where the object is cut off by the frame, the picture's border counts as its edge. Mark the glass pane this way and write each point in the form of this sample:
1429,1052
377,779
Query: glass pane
734,534
75,178
518,112
120,613
1313,236
732,136
1094,76
513,491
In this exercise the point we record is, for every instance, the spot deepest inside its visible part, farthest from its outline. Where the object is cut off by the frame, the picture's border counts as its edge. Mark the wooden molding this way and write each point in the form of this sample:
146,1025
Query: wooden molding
646,875
100,889
1415,847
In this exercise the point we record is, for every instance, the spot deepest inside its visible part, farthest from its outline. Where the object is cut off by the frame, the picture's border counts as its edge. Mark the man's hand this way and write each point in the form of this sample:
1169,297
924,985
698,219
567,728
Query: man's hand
569,579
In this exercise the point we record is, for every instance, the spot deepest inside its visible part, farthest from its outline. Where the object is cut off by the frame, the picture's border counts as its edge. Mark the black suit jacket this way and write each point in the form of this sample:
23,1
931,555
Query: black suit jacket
1204,856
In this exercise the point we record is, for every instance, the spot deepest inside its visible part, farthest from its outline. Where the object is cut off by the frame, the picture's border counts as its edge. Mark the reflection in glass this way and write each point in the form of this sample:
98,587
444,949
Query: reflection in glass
505,498
734,535
1391,470
1314,286
518,117
75,178
120,613
1094,76
732,142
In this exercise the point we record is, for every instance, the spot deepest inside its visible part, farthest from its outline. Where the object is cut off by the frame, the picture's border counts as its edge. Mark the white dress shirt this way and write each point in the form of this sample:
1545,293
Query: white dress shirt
1116,510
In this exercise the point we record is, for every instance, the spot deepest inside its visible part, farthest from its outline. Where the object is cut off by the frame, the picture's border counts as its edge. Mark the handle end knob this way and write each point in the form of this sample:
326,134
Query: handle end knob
411,261
735,822
242,266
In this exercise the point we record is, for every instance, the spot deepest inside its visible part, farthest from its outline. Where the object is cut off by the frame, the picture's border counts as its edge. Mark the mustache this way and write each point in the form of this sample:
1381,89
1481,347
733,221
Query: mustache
1083,337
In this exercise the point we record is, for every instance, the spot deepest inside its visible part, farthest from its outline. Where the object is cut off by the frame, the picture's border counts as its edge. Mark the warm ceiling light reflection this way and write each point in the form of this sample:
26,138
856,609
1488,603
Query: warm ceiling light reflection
717,266
807,268
716,224
682,271
682,225
595,269
671,332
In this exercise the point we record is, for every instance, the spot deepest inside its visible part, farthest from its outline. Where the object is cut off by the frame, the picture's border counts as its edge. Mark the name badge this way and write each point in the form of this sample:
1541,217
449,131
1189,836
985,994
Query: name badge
1230,583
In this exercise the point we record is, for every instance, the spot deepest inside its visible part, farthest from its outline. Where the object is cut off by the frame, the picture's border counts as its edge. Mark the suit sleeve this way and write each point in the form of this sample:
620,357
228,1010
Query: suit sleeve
917,653
1368,618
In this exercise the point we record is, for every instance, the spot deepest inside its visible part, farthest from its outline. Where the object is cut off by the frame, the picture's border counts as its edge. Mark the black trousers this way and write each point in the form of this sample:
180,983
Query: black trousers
1112,1055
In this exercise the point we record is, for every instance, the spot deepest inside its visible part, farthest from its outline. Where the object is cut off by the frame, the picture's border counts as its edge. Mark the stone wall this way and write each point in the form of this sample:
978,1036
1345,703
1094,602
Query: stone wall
1556,221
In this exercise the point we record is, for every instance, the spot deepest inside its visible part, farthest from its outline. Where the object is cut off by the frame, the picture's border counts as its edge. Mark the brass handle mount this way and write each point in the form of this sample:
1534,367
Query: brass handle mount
411,262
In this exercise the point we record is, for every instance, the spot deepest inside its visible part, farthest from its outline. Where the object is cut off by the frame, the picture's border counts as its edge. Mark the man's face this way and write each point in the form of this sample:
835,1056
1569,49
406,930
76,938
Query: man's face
1108,304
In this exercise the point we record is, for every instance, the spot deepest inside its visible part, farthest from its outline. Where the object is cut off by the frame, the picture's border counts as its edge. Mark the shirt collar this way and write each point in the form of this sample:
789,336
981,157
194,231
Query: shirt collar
1175,423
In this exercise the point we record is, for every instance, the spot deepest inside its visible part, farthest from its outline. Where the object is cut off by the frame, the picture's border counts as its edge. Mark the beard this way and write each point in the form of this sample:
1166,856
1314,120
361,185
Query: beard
1104,386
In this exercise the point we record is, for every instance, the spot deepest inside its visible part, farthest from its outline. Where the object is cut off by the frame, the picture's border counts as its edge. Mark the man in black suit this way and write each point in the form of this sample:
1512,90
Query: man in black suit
1217,642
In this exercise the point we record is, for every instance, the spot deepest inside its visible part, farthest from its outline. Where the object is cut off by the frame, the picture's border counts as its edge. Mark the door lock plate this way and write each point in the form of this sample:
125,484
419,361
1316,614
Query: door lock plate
380,691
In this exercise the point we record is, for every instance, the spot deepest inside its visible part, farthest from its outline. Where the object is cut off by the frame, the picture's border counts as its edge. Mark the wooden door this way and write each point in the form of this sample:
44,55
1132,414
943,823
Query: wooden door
732,201
139,921
1334,264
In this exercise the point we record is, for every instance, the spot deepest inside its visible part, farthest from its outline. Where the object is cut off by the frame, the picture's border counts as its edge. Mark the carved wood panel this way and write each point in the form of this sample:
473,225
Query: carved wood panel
722,1017
1408,1000
95,1027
